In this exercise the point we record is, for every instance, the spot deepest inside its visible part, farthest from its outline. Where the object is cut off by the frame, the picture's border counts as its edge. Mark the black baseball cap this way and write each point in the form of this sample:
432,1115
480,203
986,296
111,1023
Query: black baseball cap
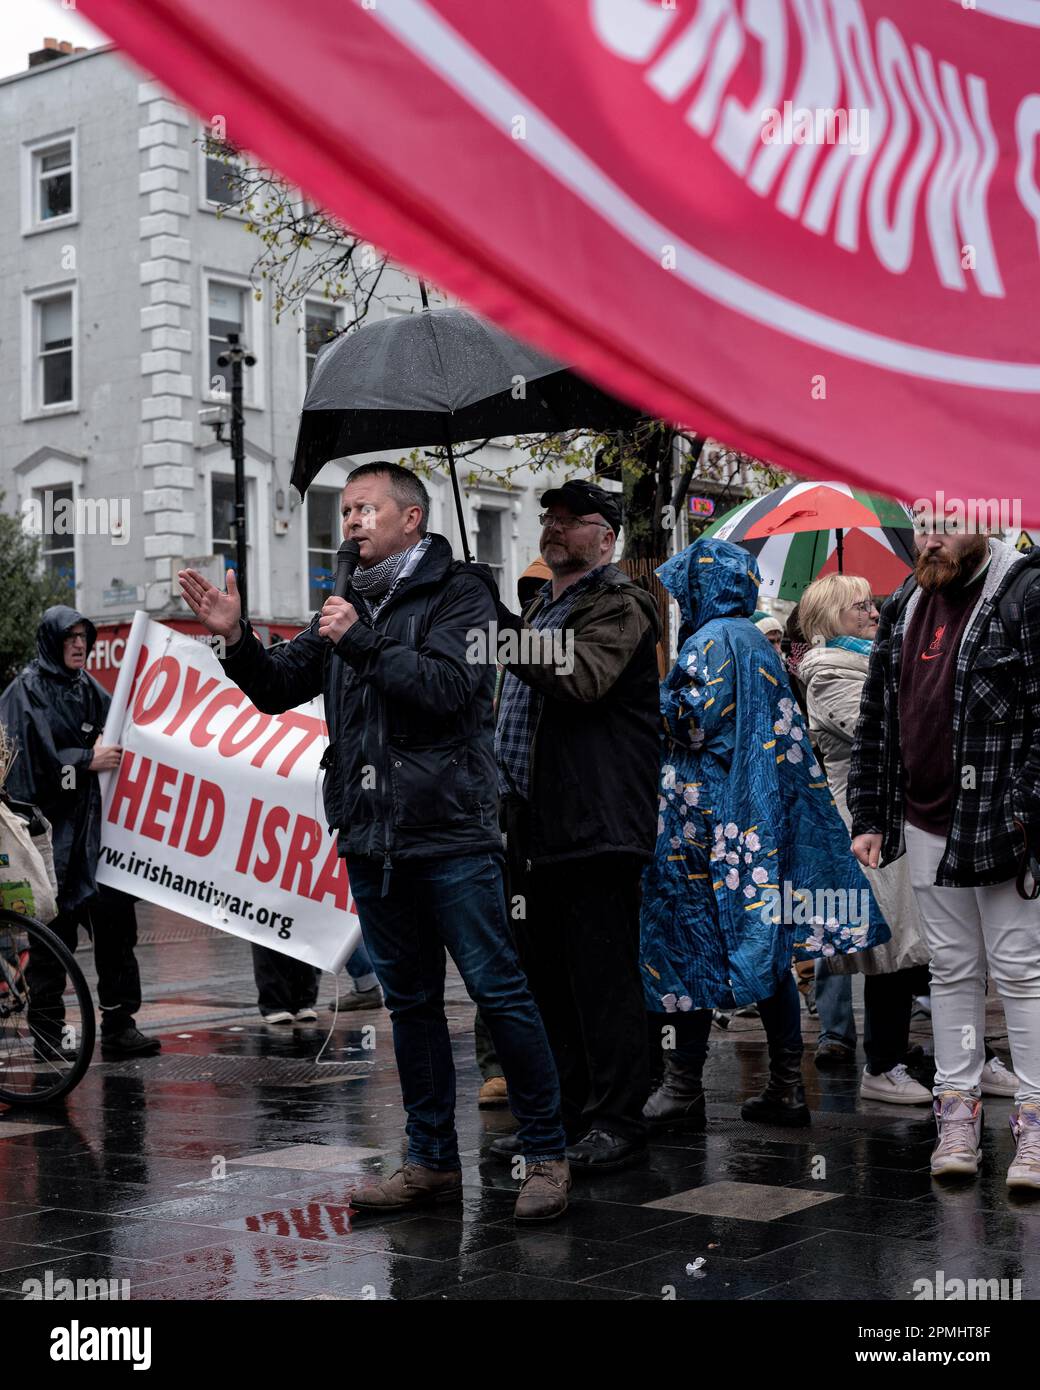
582,498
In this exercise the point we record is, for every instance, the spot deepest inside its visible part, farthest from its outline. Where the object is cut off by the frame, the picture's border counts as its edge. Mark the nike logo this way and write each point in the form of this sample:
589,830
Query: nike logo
935,645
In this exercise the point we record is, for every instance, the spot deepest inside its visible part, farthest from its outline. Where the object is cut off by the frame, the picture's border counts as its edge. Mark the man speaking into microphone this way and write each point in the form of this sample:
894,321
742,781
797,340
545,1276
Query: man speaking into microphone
411,790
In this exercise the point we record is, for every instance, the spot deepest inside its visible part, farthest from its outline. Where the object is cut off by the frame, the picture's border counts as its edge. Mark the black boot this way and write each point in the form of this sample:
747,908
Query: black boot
783,1100
679,1098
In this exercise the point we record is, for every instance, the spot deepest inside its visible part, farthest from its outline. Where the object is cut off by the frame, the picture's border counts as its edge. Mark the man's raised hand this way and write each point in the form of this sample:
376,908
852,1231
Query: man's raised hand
218,612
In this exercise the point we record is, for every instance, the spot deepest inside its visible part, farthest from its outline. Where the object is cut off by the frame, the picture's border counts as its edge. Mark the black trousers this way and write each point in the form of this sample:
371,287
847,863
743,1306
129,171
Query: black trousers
578,939
283,983
887,1003
111,920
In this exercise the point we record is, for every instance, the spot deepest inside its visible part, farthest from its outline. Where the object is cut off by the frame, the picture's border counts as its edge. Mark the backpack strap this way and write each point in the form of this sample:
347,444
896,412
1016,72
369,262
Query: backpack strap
1012,601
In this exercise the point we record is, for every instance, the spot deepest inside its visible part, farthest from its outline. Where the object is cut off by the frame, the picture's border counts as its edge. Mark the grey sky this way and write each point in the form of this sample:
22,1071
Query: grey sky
25,23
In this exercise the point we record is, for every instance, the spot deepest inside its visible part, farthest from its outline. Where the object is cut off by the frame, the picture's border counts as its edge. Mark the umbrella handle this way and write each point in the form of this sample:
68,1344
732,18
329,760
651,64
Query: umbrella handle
840,534
458,503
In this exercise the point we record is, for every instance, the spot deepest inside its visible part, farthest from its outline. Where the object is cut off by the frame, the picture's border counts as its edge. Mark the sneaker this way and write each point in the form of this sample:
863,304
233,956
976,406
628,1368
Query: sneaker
922,1007
997,1080
307,1015
131,1042
279,1016
959,1122
897,1087
358,999
1025,1167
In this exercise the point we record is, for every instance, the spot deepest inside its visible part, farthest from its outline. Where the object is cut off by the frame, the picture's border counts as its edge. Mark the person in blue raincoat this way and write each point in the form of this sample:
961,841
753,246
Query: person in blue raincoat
753,865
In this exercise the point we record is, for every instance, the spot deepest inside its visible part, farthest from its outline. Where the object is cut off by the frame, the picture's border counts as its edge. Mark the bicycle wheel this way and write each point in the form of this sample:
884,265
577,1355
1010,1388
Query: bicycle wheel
46,1014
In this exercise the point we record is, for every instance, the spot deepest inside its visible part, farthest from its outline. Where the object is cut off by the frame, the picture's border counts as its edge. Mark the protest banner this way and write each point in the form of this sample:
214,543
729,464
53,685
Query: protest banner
811,230
215,811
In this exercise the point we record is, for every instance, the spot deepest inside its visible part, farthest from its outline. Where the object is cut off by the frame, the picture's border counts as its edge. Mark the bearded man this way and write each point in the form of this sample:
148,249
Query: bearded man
946,767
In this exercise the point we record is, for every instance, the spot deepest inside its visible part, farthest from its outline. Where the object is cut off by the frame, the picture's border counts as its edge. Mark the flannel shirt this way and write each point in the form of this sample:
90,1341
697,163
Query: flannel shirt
996,721
519,705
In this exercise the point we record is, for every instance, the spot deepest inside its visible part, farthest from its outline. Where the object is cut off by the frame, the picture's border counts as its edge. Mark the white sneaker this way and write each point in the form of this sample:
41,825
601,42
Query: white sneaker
279,1016
897,1086
1025,1167
959,1121
997,1080
306,1016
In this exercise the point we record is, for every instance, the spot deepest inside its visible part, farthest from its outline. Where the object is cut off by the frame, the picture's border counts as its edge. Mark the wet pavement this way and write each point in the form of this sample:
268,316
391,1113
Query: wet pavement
222,1170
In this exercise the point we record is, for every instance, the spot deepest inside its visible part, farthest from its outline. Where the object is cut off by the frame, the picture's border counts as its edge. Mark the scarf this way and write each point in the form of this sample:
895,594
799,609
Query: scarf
375,584
863,645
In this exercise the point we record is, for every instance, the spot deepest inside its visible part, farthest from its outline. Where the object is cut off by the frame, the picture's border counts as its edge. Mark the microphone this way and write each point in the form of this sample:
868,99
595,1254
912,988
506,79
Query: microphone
348,557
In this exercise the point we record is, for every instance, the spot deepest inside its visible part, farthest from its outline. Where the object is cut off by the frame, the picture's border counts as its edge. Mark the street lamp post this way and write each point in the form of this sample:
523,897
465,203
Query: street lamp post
236,357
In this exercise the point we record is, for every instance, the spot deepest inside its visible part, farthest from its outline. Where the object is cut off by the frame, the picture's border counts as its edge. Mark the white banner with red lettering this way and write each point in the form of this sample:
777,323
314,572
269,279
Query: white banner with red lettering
810,228
216,809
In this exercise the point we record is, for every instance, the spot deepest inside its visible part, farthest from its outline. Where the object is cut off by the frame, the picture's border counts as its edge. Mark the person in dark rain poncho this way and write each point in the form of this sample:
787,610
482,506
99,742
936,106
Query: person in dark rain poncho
54,712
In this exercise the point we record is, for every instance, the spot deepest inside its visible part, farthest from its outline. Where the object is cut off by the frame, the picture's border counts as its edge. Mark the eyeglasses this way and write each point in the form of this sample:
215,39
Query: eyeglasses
864,606
547,520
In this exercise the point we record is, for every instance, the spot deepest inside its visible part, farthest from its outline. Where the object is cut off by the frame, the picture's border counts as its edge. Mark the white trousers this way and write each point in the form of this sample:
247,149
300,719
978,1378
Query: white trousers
964,928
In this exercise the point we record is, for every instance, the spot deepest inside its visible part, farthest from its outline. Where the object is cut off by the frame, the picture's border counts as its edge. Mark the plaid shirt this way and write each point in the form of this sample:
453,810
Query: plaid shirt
996,718
519,705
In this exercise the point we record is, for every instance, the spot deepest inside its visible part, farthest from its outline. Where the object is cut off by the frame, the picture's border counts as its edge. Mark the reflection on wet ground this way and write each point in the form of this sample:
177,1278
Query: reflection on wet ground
223,1170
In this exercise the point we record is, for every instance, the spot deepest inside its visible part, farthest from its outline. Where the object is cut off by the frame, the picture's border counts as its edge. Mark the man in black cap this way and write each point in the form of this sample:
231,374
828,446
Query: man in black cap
577,747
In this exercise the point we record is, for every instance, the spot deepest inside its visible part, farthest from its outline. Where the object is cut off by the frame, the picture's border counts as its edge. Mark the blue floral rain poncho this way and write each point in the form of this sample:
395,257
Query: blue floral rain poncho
753,864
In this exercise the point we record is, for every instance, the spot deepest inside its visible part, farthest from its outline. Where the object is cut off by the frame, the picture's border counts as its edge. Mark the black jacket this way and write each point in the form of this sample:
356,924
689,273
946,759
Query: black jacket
54,716
410,767
595,749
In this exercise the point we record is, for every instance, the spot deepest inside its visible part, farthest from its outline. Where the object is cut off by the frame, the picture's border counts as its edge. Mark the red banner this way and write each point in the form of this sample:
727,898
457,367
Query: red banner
809,227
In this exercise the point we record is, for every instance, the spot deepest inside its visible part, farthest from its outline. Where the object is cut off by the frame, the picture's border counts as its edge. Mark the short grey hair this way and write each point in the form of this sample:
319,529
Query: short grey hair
406,489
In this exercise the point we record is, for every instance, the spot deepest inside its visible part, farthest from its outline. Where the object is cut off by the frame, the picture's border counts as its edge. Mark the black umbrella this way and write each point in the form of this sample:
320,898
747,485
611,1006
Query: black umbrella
438,378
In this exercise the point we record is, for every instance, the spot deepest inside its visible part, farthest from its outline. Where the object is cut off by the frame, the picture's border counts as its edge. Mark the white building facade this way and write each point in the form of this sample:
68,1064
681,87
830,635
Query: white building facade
121,278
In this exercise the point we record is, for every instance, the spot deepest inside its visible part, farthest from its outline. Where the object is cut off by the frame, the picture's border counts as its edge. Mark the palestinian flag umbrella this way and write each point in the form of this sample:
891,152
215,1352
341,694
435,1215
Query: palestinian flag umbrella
802,530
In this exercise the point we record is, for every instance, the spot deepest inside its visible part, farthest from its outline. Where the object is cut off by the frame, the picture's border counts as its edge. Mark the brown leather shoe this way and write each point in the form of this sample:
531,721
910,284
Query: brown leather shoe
543,1193
493,1094
410,1186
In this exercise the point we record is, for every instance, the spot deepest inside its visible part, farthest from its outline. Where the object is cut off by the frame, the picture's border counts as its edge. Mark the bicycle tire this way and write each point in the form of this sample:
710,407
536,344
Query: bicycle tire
67,1080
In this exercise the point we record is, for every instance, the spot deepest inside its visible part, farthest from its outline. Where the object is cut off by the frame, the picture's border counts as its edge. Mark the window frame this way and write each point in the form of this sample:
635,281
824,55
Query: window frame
254,379
54,470
32,150
340,316
334,494
32,360
70,547
333,477
206,204
505,505
257,525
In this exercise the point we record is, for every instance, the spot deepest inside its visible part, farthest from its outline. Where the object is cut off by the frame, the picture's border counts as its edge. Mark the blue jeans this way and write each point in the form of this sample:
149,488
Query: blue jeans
359,965
456,903
834,1005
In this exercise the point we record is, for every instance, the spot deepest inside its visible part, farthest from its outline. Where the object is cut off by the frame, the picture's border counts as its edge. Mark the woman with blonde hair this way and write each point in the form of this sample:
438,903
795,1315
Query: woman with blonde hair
839,620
